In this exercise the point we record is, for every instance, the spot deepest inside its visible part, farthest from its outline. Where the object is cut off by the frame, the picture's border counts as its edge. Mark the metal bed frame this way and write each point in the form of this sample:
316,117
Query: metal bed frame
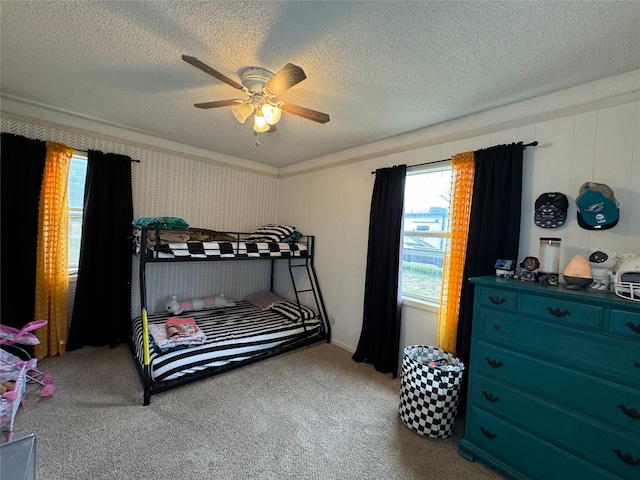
151,387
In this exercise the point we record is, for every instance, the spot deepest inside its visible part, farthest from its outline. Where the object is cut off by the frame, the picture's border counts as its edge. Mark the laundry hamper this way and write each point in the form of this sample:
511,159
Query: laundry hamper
429,394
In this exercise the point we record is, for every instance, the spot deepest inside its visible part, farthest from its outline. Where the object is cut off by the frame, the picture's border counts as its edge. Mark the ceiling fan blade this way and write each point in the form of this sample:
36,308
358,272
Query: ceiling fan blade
286,78
214,73
218,103
272,128
305,112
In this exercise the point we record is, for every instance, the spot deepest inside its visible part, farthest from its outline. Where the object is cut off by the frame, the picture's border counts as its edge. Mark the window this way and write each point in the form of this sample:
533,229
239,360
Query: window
426,226
75,185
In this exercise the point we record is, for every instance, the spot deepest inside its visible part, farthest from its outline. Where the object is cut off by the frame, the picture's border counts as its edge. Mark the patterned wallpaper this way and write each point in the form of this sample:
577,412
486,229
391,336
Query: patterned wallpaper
206,195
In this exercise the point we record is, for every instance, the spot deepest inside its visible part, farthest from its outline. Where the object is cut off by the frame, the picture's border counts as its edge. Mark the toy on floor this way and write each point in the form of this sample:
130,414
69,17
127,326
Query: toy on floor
12,337
16,371
176,307
12,376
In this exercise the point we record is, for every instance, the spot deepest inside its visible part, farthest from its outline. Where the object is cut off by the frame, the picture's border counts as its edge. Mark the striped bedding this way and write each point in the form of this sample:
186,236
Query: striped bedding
240,249
233,334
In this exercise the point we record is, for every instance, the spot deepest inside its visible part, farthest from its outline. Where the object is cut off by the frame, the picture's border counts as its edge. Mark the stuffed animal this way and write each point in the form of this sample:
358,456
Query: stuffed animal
176,307
602,263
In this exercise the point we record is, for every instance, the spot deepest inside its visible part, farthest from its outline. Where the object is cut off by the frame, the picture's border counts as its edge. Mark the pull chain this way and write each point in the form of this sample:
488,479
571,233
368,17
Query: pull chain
255,134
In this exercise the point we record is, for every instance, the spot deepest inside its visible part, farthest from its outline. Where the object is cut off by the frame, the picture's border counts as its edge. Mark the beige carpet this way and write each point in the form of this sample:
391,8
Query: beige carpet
309,414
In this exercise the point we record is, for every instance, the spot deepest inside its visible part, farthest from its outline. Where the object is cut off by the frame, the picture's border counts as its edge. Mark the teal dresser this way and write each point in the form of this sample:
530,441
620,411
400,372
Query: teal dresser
554,382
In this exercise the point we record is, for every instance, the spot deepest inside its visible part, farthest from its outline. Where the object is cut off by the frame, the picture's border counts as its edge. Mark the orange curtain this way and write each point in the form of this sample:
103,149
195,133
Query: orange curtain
453,268
52,287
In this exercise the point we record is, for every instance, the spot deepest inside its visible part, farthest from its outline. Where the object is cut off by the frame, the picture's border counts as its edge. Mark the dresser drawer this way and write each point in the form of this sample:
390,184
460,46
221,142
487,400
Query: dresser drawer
603,400
577,434
498,299
535,458
603,356
625,323
562,311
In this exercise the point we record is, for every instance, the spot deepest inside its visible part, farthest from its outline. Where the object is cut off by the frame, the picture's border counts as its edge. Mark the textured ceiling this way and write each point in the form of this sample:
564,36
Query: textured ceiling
378,69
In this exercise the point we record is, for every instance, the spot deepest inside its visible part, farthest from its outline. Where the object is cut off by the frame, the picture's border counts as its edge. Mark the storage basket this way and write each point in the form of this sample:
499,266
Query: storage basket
428,394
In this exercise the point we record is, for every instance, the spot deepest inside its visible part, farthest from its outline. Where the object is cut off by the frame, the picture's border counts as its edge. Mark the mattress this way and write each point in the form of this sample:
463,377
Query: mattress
233,334
239,249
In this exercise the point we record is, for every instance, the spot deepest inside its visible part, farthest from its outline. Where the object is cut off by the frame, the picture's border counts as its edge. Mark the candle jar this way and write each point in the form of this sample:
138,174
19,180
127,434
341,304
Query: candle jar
549,260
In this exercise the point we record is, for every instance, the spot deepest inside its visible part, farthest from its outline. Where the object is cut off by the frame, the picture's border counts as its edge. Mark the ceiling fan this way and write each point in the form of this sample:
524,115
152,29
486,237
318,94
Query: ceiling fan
263,88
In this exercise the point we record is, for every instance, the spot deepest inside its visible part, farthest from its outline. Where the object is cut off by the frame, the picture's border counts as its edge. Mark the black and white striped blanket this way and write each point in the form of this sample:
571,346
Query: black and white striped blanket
229,250
233,334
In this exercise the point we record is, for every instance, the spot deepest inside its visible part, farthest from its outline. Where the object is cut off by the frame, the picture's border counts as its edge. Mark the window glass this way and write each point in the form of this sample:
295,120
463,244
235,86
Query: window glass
75,185
426,227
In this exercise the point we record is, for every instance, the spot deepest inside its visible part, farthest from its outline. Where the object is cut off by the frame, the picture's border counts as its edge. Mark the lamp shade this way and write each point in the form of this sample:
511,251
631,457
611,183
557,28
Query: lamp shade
272,113
241,111
260,123
577,273
578,267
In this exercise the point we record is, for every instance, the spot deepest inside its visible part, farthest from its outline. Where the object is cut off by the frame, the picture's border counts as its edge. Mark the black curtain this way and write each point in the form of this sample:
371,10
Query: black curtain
102,307
494,229
22,167
380,335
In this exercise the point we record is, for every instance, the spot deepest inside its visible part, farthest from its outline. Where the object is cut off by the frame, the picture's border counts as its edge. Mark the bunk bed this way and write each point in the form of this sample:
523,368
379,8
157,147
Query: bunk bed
235,335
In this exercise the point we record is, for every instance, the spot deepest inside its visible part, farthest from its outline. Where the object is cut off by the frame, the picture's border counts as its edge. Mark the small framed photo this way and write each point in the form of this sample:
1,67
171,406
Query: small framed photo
504,268
504,264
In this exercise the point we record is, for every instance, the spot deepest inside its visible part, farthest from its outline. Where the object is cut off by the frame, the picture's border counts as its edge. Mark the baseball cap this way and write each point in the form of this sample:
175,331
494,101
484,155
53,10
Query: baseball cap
550,210
597,207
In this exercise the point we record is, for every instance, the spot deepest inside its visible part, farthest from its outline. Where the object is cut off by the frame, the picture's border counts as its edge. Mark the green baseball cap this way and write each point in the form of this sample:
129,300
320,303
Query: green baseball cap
597,207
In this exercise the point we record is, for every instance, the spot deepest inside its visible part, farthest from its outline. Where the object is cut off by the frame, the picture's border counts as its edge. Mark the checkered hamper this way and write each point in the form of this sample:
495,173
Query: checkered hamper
429,395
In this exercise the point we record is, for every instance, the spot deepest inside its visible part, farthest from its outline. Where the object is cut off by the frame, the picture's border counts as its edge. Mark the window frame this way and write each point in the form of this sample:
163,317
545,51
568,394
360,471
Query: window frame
418,301
74,213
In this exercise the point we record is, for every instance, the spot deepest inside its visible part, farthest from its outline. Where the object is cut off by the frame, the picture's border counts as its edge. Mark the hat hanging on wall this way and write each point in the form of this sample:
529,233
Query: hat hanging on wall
597,207
550,210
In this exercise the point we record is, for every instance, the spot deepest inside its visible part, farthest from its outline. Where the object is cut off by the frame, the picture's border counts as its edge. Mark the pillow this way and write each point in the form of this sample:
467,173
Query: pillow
264,300
292,312
271,233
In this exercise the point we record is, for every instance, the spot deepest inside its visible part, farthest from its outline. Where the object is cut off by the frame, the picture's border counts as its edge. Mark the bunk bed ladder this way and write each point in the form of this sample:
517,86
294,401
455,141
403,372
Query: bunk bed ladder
314,288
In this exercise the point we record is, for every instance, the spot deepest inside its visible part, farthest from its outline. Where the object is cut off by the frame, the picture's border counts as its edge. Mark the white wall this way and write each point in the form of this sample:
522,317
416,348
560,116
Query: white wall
601,145
206,193
586,133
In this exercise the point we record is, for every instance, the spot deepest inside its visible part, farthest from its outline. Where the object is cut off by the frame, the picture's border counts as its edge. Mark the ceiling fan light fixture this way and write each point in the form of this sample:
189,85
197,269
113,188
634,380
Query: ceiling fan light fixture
272,113
260,123
241,111
262,87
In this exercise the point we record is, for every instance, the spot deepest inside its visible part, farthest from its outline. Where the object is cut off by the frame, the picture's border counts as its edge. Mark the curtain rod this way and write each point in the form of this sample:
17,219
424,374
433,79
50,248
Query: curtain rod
532,144
84,151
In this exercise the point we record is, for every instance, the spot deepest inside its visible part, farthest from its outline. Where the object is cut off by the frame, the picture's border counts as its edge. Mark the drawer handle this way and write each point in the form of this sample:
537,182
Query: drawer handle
490,397
493,363
488,433
556,312
634,328
497,300
627,458
630,412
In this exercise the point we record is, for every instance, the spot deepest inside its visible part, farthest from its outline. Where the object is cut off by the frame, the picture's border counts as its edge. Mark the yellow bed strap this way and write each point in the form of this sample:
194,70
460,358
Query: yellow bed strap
145,337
